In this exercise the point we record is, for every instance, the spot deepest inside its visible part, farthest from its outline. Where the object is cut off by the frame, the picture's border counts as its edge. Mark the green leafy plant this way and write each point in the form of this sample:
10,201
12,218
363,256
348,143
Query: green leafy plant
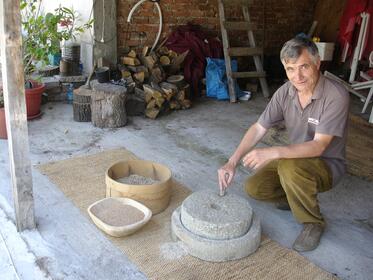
39,35
42,33
68,26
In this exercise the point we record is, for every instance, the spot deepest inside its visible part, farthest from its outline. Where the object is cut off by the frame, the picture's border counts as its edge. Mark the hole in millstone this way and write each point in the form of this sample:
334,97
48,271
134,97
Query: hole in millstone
214,206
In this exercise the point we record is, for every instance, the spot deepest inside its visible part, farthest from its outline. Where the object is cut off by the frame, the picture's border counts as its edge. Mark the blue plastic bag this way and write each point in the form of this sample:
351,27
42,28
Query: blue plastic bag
216,79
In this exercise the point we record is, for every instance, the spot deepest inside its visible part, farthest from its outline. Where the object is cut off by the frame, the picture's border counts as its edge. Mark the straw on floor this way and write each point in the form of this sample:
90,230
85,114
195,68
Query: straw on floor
82,180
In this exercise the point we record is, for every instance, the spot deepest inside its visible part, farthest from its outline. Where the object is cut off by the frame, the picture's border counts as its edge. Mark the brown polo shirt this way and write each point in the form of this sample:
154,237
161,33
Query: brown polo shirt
326,114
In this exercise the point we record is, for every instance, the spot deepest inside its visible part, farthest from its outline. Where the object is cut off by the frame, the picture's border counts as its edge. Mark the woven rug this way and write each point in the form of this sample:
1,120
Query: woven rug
82,180
359,148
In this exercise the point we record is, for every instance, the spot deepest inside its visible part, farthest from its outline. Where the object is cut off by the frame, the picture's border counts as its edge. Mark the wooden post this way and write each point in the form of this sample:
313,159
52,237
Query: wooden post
15,112
227,58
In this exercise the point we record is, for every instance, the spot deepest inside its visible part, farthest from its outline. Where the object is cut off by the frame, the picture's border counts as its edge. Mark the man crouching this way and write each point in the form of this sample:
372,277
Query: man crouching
314,110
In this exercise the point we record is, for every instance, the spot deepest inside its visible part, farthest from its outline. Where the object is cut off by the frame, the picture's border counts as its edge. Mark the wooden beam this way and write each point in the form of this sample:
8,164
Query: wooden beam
15,112
227,58
250,74
245,51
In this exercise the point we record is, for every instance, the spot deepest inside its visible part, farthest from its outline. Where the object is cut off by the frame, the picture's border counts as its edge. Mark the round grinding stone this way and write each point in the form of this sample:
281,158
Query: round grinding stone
209,215
217,250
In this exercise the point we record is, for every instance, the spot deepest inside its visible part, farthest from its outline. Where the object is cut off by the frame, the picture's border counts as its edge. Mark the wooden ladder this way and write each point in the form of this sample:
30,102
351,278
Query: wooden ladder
252,50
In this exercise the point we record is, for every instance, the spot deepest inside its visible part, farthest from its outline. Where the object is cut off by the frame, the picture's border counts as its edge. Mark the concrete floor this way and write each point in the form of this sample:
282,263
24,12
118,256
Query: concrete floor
194,144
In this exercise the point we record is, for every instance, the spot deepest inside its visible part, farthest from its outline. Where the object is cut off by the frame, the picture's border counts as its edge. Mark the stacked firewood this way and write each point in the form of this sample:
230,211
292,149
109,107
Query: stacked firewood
156,76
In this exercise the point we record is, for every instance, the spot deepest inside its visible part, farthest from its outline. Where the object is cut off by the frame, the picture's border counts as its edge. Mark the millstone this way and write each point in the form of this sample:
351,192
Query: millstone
217,250
208,215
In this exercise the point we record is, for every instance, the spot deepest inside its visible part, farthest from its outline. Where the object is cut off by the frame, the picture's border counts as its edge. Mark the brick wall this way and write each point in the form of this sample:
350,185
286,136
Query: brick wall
276,20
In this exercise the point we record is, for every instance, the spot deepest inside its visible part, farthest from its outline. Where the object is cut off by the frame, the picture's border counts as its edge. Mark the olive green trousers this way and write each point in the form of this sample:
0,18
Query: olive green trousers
296,180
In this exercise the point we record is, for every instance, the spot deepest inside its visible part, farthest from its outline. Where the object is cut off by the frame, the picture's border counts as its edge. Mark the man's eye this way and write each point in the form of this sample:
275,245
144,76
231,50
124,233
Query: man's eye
305,66
289,69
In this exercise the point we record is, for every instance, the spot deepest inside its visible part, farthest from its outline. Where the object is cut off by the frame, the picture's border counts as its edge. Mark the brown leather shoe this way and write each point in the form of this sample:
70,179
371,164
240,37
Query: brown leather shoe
283,205
309,238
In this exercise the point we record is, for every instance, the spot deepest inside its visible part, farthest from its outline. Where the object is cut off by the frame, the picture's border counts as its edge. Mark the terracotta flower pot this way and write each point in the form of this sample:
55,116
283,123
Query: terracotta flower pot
3,134
33,99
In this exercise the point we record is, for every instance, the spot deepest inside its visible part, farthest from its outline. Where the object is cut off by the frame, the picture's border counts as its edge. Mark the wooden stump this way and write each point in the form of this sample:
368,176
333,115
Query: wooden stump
82,104
108,105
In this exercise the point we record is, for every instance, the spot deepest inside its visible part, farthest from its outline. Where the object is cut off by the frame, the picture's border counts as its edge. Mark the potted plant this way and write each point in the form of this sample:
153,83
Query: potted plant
39,32
69,29
40,37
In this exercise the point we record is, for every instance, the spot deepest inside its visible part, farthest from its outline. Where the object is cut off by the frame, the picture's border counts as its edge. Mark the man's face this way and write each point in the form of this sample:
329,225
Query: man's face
303,72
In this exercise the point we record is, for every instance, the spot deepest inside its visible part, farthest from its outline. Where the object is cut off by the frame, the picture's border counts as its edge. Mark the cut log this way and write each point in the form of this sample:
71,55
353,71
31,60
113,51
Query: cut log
154,56
152,113
148,92
108,105
163,51
130,61
172,54
180,58
145,51
168,94
181,95
82,104
168,86
136,69
151,104
140,76
164,60
177,61
177,80
157,75
169,90
132,54
148,89
149,62
156,86
125,74
159,99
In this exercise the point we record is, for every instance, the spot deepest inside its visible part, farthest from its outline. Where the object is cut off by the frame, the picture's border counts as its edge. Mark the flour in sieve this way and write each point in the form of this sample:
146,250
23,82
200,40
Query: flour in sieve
135,179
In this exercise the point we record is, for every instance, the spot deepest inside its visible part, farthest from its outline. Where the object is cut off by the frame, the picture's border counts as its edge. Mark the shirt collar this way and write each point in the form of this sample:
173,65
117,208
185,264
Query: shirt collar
319,88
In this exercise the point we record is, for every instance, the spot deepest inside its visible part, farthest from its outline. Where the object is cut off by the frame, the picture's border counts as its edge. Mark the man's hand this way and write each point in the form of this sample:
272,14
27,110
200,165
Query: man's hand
225,175
258,158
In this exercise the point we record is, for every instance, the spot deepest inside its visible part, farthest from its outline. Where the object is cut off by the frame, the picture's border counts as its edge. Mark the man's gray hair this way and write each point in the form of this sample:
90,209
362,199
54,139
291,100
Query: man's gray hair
293,48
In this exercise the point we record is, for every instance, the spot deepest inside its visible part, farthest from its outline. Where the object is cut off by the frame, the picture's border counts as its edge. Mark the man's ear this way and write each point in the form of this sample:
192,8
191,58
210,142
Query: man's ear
318,63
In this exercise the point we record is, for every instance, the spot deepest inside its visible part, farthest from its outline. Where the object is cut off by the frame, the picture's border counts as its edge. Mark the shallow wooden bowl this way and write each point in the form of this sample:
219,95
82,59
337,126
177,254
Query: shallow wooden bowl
120,231
156,196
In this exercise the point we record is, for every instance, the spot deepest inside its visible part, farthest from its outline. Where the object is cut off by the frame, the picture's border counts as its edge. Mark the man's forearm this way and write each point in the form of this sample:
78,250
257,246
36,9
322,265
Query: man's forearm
307,149
251,138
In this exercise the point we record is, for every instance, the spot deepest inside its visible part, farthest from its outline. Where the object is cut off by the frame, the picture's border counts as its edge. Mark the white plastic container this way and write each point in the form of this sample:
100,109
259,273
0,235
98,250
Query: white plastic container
326,50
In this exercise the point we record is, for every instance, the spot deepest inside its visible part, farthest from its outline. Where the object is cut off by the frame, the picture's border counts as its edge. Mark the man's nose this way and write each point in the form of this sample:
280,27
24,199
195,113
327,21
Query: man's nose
298,74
